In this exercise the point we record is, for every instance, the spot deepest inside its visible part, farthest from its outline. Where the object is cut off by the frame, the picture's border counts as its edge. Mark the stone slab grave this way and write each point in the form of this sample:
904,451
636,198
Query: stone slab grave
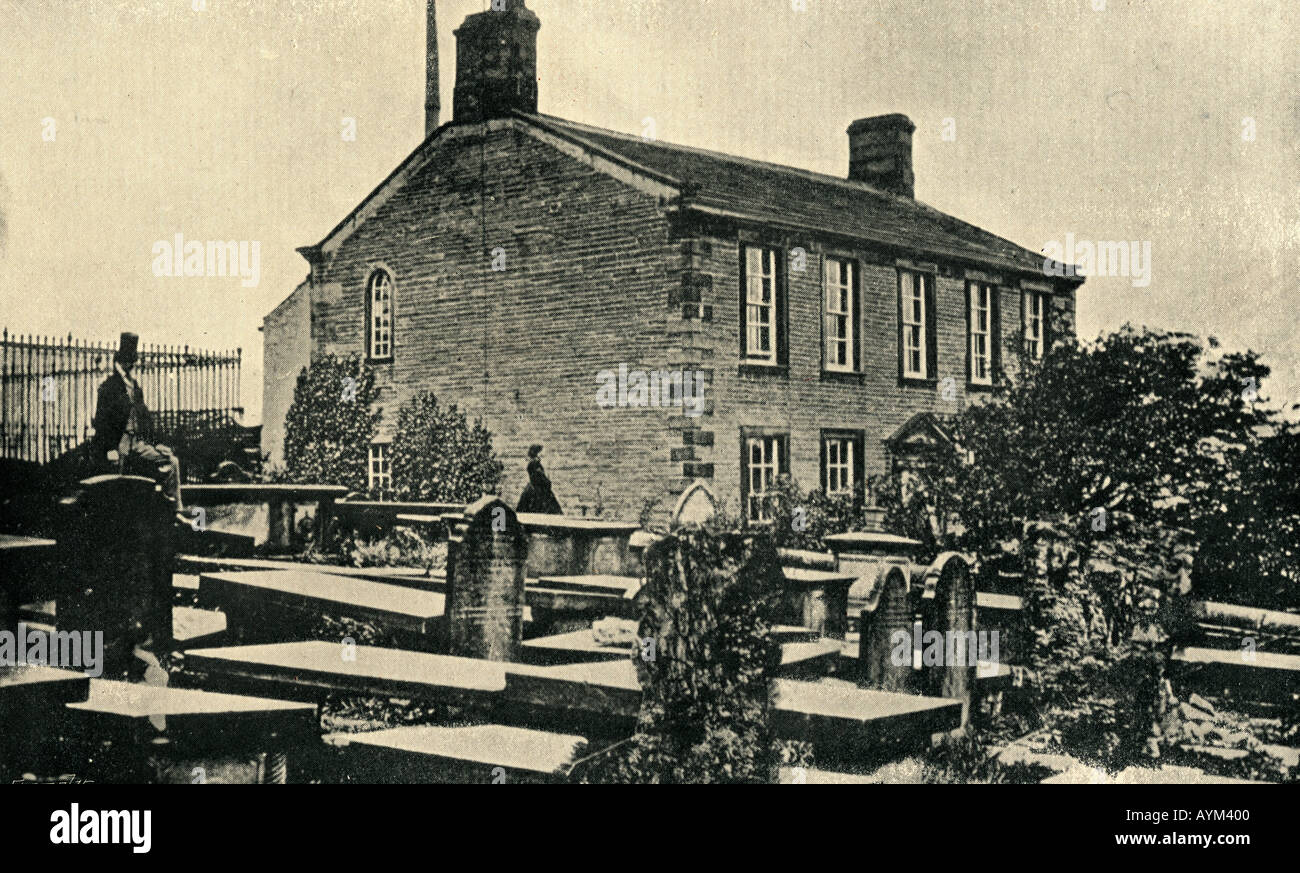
39,686
372,517
124,725
798,656
281,501
1005,614
31,700
311,670
485,582
466,754
621,587
410,577
197,627
567,603
836,717
1265,676
819,600
845,722
604,697
563,546
274,605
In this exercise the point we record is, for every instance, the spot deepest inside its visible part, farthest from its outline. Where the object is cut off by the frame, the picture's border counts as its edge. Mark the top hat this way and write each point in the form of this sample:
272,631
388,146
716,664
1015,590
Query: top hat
126,348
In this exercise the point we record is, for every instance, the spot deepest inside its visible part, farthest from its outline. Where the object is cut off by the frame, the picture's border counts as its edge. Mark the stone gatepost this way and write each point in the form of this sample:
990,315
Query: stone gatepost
881,563
485,582
118,545
948,609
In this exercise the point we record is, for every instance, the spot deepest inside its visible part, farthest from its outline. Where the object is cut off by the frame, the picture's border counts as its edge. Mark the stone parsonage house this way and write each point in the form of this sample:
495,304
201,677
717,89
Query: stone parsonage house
514,257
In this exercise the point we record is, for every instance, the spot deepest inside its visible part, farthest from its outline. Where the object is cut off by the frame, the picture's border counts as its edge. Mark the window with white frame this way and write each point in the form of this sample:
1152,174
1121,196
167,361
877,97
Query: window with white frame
763,464
761,312
840,306
982,336
379,314
840,466
916,290
1035,313
380,467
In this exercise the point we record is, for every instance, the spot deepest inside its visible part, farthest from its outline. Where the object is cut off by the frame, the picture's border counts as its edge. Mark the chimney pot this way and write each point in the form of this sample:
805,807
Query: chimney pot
880,153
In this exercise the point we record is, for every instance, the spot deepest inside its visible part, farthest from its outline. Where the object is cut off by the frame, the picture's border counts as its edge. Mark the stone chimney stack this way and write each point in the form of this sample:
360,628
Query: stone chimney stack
880,153
496,63
432,98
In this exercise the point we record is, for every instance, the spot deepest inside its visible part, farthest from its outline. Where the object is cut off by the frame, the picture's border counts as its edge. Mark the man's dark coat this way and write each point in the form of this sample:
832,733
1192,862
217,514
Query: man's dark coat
113,411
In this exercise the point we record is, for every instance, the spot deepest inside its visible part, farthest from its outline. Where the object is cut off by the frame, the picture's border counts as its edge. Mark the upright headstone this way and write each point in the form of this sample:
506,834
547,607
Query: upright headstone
887,610
118,547
881,562
485,582
696,505
948,607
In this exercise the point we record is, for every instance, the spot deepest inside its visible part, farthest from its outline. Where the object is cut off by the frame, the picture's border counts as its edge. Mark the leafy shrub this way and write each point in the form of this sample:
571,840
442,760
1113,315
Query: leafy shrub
709,603
402,547
439,457
802,520
331,423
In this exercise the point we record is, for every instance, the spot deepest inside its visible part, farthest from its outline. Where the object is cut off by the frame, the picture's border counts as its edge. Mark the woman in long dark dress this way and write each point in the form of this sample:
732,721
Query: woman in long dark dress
537,496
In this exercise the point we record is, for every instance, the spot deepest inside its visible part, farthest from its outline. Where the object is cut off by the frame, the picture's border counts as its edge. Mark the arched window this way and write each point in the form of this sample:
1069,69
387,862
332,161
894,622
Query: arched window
379,315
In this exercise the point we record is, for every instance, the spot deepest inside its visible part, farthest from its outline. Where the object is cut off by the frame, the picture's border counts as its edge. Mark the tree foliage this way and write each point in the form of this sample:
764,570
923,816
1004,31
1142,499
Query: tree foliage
803,519
1153,425
331,423
438,456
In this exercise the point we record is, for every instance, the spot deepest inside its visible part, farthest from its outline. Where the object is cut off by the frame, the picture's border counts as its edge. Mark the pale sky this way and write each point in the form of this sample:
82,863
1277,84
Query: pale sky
1128,124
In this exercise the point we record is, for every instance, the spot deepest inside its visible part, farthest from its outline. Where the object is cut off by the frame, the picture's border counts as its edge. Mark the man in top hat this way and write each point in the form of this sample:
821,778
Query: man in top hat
123,426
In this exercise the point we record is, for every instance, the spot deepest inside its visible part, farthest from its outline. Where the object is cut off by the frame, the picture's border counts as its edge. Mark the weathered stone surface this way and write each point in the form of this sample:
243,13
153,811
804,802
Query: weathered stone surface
488,753
312,669
190,719
1264,675
119,550
948,606
819,600
256,601
696,505
485,582
887,610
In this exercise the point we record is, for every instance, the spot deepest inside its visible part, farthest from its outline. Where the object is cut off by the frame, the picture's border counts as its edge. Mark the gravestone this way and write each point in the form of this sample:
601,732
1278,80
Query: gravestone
948,606
818,600
697,505
485,582
119,550
882,564
887,610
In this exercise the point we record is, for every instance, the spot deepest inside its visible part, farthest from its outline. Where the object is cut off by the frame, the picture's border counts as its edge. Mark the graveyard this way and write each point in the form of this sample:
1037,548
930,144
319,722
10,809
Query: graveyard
522,658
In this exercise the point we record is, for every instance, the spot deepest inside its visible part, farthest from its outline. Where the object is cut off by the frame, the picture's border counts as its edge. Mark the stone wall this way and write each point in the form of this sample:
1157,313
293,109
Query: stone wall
286,349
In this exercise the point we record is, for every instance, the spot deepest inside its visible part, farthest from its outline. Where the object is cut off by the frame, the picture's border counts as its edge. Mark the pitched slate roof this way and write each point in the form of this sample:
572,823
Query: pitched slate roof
786,196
